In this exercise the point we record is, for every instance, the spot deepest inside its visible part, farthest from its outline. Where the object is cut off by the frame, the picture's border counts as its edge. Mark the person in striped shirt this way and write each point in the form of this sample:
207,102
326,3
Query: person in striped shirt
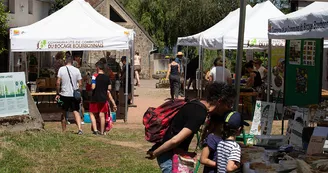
228,150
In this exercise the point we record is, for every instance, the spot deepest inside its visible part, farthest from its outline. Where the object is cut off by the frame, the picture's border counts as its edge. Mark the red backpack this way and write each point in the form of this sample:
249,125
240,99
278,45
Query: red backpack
157,120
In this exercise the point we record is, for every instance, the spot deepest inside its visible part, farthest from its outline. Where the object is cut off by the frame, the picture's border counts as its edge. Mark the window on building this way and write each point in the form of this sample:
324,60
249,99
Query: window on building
30,6
11,4
115,16
5,3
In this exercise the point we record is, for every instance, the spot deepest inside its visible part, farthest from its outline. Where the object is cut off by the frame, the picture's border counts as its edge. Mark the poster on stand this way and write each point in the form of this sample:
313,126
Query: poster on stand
278,68
301,80
295,52
263,118
249,55
13,94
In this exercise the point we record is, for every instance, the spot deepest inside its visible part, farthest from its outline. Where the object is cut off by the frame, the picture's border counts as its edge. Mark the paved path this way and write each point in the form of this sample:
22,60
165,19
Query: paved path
148,96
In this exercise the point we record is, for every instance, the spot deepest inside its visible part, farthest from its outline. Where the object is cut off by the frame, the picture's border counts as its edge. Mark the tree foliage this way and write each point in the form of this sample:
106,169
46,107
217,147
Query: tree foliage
166,20
57,5
3,26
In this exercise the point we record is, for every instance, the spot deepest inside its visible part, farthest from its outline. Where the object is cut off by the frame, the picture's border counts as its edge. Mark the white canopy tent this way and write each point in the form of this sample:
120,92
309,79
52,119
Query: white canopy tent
75,27
308,22
224,35
256,34
230,21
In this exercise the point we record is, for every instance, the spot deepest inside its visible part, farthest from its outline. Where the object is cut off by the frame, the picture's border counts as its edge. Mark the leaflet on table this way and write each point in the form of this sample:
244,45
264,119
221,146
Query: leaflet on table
13,94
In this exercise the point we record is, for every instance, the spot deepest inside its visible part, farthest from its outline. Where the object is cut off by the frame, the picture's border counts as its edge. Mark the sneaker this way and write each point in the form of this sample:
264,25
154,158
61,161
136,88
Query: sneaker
68,122
80,132
96,132
82,122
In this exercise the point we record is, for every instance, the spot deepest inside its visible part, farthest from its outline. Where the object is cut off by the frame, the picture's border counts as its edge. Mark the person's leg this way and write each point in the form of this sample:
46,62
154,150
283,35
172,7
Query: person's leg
102,122
93,121
137,77
176,84
171,87
165,162
76,111
63,120
65,106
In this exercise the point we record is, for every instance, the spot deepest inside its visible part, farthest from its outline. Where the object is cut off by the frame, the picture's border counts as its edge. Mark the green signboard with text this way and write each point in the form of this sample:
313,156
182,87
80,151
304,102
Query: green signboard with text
303,72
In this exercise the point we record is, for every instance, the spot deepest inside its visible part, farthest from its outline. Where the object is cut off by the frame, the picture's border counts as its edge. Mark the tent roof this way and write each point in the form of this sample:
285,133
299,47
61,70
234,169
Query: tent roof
195,40
77,23
213,37
256,28
308,22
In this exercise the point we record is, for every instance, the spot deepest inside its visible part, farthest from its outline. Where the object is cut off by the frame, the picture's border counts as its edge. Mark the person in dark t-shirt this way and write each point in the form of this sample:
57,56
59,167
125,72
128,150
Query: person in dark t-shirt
123,78
220,98
99,104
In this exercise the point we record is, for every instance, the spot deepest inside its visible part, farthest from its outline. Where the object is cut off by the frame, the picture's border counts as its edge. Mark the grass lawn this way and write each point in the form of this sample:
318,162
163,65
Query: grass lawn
123,150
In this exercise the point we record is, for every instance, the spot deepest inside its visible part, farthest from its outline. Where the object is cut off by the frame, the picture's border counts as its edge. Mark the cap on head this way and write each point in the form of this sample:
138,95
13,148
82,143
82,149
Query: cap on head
235,120
179,54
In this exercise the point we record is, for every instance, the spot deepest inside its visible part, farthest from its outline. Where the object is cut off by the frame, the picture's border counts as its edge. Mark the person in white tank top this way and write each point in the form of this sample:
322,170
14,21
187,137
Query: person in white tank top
137,67
262,70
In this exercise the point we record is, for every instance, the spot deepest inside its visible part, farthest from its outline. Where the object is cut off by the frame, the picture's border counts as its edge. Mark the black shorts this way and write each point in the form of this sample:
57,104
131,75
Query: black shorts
70,104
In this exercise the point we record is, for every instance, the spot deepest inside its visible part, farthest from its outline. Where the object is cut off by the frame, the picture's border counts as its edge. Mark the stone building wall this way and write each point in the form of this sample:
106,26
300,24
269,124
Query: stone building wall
143,44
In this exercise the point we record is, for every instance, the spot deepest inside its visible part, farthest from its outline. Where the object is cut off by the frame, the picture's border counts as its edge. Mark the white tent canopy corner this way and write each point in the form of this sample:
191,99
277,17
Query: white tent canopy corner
308,22
77,26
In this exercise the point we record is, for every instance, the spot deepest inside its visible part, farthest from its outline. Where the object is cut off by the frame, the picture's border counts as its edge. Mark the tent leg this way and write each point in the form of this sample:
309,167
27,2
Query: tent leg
132,69
198,71
185,76
240,50
126,93
269,70
223,59
26,66
201,74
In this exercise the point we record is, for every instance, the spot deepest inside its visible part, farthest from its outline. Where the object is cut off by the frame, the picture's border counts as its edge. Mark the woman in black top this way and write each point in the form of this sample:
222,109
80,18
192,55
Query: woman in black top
173,74
254,79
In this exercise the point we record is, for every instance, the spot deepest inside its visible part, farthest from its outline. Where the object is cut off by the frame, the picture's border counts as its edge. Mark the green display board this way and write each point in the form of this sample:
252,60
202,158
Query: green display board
303,72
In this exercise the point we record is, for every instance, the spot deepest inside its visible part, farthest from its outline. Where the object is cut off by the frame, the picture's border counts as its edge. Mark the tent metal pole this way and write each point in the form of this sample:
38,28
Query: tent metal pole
240,50
185,75
201,73
224,64
269,70
126,88
26,66
11,58
132,70
199,70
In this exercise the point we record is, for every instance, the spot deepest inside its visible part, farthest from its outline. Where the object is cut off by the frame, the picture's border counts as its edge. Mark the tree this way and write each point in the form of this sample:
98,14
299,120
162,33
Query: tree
57,5
283,5
3,27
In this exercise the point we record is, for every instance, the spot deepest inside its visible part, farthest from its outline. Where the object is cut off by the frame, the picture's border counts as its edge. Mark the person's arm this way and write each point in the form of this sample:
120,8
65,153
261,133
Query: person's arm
93,82
80,85
211,78
250,81
204,158
58,88
228,77
234,159
173,142
179,68
232,165
59,77
168,72
110,97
